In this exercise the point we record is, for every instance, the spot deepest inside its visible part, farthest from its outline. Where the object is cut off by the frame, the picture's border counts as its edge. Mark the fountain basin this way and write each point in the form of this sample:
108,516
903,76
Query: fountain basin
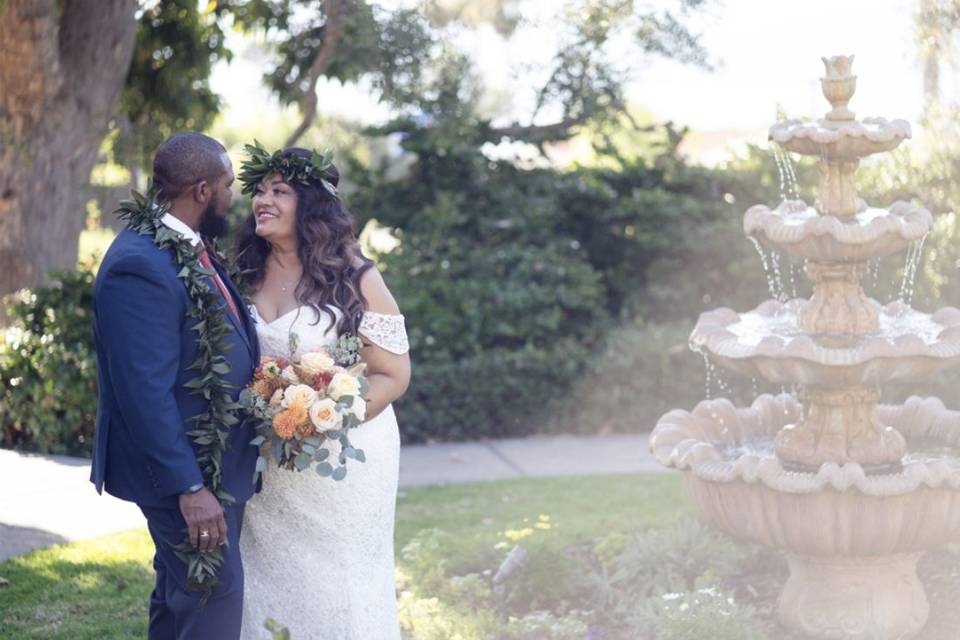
769,342
742,488
852,540
798,229
840,140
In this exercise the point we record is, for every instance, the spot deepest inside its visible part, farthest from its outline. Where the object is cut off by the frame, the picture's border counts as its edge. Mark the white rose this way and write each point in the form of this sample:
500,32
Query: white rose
343,384
317,362
324,416
298,394
290,376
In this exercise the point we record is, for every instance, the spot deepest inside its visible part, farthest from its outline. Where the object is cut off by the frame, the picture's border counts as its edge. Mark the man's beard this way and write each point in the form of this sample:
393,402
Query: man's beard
212,224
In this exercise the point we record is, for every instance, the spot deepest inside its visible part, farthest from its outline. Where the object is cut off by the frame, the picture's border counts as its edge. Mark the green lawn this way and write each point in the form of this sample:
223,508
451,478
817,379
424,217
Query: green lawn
98,589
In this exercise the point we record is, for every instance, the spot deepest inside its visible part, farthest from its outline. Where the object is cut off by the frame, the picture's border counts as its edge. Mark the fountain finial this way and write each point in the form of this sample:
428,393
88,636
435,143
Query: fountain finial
839,86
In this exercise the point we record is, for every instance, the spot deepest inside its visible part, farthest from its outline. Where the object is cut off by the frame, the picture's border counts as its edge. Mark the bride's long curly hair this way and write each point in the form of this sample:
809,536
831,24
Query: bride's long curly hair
328,251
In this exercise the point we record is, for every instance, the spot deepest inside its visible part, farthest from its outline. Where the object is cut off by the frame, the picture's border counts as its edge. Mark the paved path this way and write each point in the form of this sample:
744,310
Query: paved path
46,500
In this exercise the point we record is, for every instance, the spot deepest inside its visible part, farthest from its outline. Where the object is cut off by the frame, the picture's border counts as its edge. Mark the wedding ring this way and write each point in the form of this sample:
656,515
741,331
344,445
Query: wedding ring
204,534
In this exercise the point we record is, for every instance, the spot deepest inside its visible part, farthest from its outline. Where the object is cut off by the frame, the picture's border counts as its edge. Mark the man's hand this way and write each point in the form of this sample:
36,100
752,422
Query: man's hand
204,517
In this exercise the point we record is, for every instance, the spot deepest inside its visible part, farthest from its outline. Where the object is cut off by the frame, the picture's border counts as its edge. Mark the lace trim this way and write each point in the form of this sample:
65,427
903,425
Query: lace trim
385,331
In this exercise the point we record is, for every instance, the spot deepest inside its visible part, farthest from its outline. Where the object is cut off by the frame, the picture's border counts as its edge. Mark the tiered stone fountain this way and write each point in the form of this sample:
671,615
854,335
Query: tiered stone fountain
854,492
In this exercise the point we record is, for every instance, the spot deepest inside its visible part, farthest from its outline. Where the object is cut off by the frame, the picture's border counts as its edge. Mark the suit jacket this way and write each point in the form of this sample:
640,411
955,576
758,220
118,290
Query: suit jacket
145,343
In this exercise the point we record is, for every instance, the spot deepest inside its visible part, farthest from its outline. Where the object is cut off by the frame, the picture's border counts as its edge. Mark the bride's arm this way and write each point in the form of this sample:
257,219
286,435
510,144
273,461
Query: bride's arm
387,372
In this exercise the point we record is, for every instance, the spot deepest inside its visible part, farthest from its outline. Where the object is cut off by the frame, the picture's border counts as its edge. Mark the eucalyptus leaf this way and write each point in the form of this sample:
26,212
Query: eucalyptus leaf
324,469
339,473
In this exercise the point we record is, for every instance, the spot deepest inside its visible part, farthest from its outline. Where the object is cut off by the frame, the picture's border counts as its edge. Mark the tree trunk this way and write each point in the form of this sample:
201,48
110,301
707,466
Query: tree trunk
62,67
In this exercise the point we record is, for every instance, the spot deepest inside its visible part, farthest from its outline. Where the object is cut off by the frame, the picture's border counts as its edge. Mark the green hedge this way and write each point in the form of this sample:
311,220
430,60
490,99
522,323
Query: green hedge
48,387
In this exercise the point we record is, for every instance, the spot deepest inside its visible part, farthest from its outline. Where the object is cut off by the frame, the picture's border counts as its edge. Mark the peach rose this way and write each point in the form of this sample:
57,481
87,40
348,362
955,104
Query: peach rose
324,416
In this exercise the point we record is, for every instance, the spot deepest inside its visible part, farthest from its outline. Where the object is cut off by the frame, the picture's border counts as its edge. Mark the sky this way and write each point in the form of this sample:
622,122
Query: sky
767,55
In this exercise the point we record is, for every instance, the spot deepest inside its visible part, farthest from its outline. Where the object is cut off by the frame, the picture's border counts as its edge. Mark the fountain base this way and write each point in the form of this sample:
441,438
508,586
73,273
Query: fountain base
853,598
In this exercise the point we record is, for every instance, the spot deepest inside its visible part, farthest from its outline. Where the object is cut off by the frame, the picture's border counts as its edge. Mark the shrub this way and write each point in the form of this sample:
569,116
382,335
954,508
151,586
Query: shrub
544,625
496,263
673,559
703,613
48,392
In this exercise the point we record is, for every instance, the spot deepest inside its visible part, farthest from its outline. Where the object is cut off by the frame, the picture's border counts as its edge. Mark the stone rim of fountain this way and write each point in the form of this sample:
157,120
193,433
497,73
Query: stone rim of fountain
713,334
877,130
831,239
693,441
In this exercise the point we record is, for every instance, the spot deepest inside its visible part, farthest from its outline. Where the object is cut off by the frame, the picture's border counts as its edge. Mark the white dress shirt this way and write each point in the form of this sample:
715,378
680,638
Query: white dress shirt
181,227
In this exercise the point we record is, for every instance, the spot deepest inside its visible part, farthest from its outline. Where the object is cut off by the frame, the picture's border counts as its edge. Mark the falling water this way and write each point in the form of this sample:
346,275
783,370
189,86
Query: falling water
789,188
874,270
771,268
712,374
910,268
792,275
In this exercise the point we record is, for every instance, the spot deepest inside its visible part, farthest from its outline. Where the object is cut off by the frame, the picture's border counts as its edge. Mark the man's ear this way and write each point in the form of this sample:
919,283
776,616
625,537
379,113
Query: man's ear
202,192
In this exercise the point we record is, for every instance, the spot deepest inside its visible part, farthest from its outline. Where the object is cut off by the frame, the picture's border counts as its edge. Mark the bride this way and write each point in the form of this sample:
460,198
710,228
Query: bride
318,554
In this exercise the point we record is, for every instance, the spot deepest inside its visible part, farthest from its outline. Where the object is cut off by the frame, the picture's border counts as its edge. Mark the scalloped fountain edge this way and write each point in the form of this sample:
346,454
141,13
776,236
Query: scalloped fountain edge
689,440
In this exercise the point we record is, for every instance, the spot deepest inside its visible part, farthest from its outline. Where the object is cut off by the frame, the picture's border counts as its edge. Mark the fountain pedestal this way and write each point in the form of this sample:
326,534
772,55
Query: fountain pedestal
854,598
838,305
840,426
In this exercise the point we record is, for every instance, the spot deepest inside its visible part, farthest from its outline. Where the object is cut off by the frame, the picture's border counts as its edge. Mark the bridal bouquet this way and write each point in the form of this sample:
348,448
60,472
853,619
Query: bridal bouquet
300,407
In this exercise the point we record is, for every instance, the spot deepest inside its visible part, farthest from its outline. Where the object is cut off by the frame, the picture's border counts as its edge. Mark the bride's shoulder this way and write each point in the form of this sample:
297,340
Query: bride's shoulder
376,293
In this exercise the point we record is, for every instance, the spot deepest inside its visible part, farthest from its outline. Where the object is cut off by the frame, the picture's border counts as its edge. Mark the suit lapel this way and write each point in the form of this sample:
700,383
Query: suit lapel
242,328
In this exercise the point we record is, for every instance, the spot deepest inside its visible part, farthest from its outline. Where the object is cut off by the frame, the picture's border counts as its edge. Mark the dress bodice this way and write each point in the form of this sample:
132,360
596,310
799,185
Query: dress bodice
296,332
299,331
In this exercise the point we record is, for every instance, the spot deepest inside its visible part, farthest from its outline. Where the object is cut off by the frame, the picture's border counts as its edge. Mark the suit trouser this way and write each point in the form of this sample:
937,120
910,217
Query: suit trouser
175,612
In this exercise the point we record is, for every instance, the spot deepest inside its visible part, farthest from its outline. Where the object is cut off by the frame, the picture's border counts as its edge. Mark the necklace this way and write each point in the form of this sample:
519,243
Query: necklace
285,286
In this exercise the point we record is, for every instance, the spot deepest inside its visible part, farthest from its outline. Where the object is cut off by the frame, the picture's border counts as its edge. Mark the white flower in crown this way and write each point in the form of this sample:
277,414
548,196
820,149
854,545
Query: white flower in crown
299,394
343,384
324,416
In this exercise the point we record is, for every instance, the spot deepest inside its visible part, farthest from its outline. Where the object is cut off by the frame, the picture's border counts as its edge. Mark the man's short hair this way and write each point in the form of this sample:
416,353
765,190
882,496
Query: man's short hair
183,160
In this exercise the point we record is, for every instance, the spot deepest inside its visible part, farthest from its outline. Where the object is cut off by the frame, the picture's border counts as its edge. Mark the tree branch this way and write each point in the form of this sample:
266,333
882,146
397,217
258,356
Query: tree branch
331,35
553,131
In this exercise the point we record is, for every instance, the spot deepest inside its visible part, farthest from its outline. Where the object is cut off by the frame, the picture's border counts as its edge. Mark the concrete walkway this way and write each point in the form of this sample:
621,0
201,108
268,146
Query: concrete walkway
46,500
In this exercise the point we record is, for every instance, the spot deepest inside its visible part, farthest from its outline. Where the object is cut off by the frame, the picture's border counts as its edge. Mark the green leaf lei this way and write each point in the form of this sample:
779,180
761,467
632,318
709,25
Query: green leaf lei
143,214
262,164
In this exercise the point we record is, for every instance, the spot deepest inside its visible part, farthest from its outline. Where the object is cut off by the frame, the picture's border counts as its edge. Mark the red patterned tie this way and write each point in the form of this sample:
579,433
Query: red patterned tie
207,264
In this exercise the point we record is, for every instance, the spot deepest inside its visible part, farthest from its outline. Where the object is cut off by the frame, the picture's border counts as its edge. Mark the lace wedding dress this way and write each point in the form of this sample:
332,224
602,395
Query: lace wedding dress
318,554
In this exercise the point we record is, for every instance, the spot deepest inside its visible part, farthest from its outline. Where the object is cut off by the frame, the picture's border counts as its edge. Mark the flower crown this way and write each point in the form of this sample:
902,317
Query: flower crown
262,163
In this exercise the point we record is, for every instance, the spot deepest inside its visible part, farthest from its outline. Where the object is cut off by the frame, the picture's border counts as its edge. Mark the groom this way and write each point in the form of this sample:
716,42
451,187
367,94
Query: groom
146,345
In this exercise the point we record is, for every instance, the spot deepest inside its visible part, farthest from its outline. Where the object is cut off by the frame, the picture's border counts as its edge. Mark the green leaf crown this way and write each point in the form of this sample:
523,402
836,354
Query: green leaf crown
262,163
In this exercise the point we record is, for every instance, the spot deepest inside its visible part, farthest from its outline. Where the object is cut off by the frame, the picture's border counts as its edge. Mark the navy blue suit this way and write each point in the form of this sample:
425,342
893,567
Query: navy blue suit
141,449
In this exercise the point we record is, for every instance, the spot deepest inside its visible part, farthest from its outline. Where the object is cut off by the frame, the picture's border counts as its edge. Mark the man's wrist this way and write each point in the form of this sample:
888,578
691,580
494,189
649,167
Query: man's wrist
192,490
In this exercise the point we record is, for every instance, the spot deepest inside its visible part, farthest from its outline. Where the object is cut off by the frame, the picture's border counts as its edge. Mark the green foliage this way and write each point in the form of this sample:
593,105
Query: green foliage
261,164
673,559
544,625
663,584
512,279
48,392
702,613
167,87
